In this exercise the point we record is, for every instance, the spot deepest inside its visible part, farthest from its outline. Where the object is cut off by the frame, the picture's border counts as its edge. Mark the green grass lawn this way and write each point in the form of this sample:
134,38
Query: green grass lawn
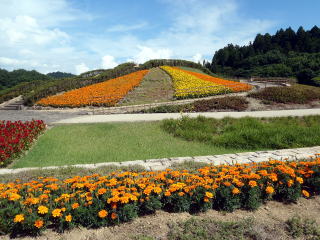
106,142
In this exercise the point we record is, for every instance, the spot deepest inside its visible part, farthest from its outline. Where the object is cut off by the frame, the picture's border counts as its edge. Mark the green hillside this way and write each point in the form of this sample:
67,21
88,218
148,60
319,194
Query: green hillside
10,79
36,90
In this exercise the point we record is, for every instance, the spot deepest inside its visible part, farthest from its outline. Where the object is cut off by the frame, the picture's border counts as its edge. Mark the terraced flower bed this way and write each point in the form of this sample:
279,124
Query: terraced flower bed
187,85
16,137
234,86
95,201
107,93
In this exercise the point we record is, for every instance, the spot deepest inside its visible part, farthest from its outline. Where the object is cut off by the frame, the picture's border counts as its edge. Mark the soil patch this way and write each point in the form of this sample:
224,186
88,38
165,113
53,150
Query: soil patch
269,222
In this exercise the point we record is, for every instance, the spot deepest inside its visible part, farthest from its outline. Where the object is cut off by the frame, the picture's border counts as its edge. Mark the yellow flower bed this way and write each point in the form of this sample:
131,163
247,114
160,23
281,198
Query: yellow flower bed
187,85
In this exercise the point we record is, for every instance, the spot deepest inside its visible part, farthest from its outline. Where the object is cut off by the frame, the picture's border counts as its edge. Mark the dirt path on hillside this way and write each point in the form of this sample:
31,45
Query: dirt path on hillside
156,86
269,222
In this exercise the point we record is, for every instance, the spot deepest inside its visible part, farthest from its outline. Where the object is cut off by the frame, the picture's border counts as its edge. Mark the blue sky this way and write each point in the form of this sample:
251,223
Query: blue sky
81,35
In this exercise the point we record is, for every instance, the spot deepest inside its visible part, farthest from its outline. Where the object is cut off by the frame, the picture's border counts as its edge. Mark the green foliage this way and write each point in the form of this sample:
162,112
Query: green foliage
11,79
232,103
248,132
150,206
284,54
59,74
315,81
298,227
298,94
252,198
225,200
19,89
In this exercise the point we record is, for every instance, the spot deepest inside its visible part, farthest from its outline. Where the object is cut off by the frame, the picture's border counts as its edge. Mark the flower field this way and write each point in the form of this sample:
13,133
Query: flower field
188,85
95,201
16,137
107,93
234,86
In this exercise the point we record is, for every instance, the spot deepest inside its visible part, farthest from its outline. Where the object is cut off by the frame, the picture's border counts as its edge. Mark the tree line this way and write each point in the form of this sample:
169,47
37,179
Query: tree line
285,54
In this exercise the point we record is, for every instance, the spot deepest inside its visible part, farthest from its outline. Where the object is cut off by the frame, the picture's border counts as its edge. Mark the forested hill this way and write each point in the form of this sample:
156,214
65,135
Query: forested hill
284,54
10,79
60,74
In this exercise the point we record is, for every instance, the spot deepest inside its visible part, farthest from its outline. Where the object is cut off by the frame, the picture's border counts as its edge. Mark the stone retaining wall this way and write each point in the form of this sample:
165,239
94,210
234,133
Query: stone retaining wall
163,163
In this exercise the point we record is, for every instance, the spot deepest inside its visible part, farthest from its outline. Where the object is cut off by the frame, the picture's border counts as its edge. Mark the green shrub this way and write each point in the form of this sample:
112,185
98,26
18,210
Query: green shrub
232,103
298,94
315,81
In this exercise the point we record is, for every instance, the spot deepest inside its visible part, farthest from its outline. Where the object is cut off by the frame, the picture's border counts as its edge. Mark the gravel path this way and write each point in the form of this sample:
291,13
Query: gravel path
26,115
161,116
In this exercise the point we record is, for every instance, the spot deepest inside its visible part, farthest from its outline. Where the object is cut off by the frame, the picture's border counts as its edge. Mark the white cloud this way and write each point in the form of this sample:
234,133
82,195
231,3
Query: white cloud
30,35
147,53
197,58
48,35
126,28
81,68
8,61
202,27
108,61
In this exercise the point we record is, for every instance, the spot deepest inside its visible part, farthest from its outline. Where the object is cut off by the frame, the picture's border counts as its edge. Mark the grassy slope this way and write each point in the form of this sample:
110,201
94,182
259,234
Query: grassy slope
93,143
156,86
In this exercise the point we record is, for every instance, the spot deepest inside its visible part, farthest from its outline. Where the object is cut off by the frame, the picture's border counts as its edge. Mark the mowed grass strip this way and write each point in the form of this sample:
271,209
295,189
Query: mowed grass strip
110,142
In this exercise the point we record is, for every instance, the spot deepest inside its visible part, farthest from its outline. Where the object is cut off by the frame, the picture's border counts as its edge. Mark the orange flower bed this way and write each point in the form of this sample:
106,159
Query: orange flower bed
96,201
234,86
107,93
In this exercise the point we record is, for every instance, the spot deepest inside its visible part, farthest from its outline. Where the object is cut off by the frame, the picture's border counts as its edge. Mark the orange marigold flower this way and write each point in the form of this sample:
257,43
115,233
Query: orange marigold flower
102,213
157,190
252,183
269,190
38,223
113,216
305,193
206,199
227,184
290,183
43,209
102,191
75,205
56,212
235,191
68,218
299,180
181,194
19,218
209,194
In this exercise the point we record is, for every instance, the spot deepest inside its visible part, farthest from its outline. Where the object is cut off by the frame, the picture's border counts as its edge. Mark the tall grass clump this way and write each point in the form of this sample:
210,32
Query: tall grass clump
249,133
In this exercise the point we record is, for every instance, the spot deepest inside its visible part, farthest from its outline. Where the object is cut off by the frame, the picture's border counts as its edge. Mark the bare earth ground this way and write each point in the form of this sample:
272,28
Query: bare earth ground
156,86
269,219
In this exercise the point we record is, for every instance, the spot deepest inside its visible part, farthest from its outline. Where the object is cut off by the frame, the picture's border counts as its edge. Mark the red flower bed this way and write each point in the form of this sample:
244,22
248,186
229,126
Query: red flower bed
16,137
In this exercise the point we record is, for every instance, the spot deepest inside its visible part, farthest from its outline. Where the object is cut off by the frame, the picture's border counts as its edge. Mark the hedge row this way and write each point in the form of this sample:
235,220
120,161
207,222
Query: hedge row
96,201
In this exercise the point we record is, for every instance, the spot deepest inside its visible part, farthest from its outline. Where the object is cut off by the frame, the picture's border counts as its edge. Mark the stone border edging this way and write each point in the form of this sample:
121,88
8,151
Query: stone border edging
163,163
